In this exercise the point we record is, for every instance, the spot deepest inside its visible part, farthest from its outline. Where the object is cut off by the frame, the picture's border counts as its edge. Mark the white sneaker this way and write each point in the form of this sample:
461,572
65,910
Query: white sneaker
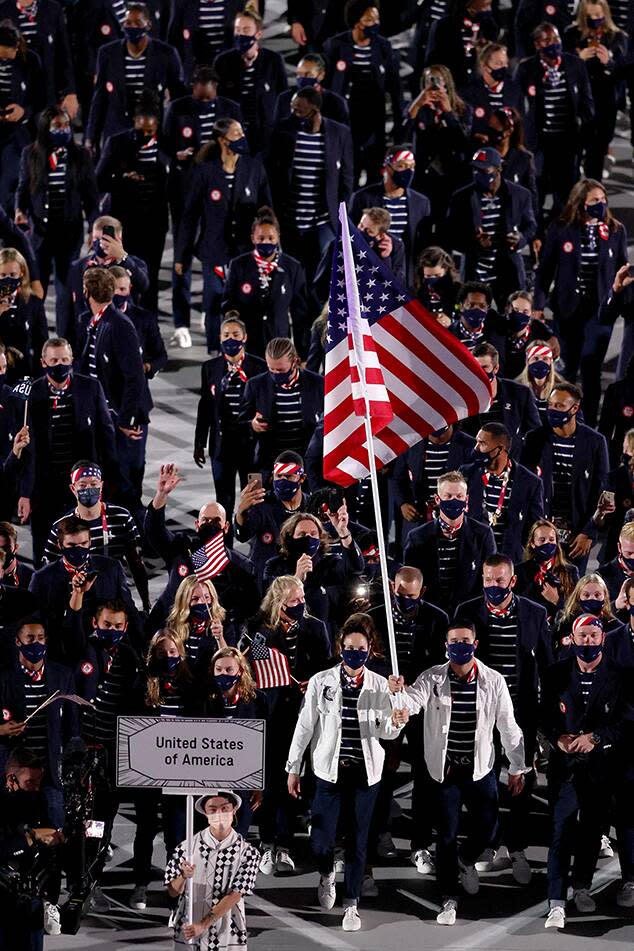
424,862
520,868
584,902
284,862
606,851
138,898
625,895
267,862
448,914
486,861
369,888
327,891
52,923
340,862
469,878
351,920
181,338
556,918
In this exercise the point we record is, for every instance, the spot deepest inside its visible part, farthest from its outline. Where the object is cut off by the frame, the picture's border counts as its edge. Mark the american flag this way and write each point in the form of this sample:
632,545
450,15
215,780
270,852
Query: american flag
270,666
211,559
418,376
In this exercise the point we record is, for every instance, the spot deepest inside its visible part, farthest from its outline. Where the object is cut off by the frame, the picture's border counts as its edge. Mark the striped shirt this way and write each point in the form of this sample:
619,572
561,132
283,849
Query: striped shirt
206,117
288,414
62,416
586,679
436,459
495,95
147,158
232,392
438,9
587,277
247,96
467,338
563,453
350,730
620,11
491,225
503,646
555,103
101,722
462,725
134,78
27,22
397,208
492,492
360,72
404,629
119,8
447,559
122,534
193,644
290,644
92,350
6,80
35,693
56,195
211,23
308,180
171,703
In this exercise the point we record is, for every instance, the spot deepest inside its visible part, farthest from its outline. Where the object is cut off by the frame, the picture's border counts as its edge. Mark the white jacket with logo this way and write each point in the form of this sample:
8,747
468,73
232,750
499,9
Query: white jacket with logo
431,692
319,724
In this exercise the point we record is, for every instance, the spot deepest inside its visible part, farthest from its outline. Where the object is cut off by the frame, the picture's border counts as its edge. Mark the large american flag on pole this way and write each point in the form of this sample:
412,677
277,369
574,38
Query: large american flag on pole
211,559
418,376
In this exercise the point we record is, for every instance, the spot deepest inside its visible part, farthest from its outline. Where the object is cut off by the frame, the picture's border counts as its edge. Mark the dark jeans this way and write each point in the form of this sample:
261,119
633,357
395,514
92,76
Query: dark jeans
131,468
213,291
351,796
625,823
579,801
584,343
308,247
237,461
481,800
56,251
147,806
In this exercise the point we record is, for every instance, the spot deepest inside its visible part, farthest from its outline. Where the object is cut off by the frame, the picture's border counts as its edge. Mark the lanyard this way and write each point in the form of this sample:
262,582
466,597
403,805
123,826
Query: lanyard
506,475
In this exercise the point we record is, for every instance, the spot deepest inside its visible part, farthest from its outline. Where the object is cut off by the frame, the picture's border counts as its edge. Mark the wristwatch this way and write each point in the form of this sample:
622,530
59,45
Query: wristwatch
596,739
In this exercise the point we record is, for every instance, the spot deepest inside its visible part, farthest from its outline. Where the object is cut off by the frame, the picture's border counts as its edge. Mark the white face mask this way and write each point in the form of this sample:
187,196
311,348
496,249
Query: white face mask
220,823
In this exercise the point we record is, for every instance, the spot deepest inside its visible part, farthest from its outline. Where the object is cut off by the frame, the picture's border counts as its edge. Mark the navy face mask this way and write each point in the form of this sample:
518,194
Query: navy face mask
495,594
474,316
239,146
108,636
134,34
544,552
595,22
628,562
284,489
306,545
33,652
538,370
460,654
453,508
88,497
597,210
59,372
209,530
303,82
354,658
552,51
371,30
198,612
481,459
404,603
280,378
403,178
484,181
518,320
296,611
167,665
97,250
226,681
557,417
231,347
499,74
59,138
243,43
587,652
266,249
592,605
76,556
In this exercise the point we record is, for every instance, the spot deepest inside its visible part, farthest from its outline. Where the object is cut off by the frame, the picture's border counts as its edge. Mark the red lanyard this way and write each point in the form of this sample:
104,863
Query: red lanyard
506,475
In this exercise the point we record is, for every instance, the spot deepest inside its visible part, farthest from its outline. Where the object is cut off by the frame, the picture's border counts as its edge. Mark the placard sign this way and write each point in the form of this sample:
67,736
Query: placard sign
190,754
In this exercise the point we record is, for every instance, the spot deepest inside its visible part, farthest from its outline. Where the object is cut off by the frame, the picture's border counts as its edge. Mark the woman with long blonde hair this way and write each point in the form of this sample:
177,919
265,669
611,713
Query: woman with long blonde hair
198,618
545,576
539,374
23,329
589,596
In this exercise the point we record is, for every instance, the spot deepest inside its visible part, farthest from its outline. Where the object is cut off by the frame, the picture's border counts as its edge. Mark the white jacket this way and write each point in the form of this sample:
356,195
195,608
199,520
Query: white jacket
431,692
319,724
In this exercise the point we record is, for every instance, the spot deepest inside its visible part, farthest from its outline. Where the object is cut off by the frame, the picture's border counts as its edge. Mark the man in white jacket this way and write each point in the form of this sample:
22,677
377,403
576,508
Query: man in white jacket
464,701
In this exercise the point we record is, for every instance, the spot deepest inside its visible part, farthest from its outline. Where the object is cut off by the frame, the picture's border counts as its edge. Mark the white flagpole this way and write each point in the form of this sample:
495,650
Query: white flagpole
354,305
189,836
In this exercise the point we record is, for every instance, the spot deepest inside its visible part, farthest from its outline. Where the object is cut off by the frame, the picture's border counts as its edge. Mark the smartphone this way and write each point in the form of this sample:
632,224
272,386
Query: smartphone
254,477
91,575
607,497
631,270
108,230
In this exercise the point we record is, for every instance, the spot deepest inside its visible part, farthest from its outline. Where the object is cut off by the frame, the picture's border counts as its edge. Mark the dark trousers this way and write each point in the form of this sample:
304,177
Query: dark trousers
236,461
598,137
481,800
56,251
354,799
45,510
148,806
131,469
16,933
579,802
308,247
145,239
557,167
213,291
625,823
584,343
277,815
10,151
515,814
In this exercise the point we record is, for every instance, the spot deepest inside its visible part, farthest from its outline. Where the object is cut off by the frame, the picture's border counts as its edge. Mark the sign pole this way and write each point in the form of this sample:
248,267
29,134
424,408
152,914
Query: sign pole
189,836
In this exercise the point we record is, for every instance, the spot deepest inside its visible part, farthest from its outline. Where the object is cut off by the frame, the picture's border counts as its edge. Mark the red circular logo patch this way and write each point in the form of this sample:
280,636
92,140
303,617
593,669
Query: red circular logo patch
215,194
479,112
106,29
568,247
628,410
246,288
87,668
6,714
188,132
183,571
341,65
531,91
266,538
186,34
109,86
550,10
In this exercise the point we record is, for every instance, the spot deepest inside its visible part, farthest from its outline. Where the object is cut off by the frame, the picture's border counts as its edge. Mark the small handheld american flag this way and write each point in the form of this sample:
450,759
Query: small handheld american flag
270,666
211,559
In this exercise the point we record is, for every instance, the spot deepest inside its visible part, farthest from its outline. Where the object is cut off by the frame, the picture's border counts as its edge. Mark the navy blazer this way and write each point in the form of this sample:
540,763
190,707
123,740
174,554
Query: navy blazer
261,527
120,156
408,481
428,638
27,90
337,173
81,196
476,94
109,107
153,350
182,126
530,13
417,235
580,104
533,658
519,413
259,396
608,713
210,206
51,43
62,716
320,20
560,264
384,76
208,432
333,106
13,237
464,220
589,471
185,35
93,432
475,543
91,669
445,45
524,507
73,302
269,81
119,365
25,329
614,576
518,167
271,314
